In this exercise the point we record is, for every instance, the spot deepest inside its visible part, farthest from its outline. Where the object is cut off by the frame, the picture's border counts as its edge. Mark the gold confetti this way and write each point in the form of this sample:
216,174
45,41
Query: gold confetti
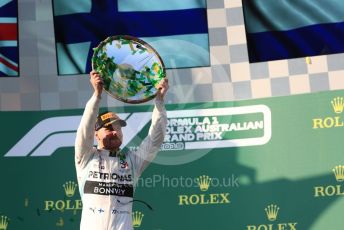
308,60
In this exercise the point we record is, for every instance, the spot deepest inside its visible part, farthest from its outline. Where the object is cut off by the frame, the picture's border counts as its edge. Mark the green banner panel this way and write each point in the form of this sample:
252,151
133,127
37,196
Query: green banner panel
266,164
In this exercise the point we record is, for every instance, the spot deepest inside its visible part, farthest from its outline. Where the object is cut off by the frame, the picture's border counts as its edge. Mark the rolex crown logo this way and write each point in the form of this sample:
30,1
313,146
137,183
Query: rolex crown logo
3,222
339,172
69,188
338,104
137,218
272,212
203,182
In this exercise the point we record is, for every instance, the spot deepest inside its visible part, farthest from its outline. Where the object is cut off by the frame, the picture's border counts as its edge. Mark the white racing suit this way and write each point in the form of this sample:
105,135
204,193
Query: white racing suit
106,183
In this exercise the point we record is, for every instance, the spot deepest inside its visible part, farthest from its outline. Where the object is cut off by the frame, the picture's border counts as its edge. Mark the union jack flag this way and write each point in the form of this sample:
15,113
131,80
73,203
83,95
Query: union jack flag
9,38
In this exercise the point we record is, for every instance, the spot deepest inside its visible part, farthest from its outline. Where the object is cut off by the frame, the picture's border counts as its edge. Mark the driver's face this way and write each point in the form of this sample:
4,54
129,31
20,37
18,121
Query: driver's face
110,137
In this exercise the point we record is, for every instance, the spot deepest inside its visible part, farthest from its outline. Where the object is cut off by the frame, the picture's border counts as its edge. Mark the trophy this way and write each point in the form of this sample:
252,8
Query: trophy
131,69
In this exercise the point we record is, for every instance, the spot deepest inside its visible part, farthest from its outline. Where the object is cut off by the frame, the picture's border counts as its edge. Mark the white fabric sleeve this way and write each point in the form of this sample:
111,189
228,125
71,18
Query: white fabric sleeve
85,133
152,143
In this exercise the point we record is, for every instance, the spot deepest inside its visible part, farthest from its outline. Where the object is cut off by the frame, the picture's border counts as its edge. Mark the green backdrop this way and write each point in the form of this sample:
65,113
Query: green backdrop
273,163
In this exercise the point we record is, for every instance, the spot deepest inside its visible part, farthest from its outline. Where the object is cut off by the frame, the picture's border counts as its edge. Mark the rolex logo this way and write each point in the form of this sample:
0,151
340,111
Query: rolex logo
203,182
331,121
137,218
205,198
339,172
69,188
338,104
3,222
334,189
272,212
